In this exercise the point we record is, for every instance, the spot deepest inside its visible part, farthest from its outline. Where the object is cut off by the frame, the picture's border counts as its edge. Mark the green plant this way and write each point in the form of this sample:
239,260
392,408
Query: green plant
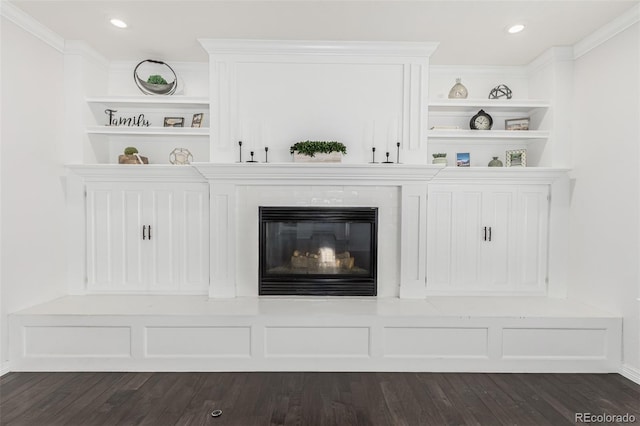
310,148
156,79
440,155
130,150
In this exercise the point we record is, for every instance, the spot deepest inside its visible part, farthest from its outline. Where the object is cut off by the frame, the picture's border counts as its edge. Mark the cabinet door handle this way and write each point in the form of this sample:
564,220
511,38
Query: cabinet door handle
149,231
144,232
485,234
489,233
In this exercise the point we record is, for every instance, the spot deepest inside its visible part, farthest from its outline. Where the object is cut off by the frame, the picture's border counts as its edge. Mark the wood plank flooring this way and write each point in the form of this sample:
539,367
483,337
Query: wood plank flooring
307,399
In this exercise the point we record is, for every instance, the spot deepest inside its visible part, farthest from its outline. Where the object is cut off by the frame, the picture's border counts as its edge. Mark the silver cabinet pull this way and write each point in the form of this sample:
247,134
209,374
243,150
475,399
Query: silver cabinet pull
144,232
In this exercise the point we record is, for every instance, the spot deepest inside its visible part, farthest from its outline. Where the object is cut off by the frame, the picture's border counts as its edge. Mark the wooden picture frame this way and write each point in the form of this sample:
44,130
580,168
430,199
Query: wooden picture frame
517,124
197,119
174,122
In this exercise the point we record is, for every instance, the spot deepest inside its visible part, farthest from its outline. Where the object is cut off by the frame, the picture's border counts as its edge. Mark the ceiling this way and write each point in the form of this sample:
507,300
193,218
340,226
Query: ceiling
469,32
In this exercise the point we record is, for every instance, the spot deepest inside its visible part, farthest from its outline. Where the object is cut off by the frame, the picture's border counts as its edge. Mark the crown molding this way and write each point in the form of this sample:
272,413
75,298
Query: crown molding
478,69
30,25
318,48
82,48
607,32
550,56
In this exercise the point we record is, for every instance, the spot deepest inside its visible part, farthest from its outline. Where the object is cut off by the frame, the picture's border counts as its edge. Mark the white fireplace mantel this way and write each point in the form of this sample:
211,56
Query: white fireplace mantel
226,180
317,174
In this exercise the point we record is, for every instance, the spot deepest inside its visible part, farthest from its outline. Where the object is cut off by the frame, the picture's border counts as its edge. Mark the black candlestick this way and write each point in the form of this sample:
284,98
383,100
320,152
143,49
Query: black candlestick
266,154
387,161
252,160
373,155
240,149
398,153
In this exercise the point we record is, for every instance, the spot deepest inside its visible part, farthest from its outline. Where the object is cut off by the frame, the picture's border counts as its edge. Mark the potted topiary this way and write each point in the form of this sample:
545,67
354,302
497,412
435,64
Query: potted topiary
440,158
318,151
131,156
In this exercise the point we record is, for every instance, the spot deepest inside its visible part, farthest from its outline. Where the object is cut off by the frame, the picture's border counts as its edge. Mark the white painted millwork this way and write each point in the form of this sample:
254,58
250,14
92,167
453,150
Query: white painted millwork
121,205
193,333
272,93
487,238
151,137
146,238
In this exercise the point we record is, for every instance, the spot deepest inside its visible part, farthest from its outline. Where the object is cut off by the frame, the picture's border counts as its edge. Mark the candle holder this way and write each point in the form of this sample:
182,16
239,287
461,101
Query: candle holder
373,155
240,150
266,154
398,153
252,160
387,161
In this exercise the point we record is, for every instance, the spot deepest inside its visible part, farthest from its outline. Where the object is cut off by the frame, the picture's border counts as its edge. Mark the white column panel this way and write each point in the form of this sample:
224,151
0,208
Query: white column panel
223,240
413,241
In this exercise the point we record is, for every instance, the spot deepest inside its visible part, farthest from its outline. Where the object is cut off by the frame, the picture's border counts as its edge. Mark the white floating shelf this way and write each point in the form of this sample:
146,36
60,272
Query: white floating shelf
473,105
154,101
487,134
148,131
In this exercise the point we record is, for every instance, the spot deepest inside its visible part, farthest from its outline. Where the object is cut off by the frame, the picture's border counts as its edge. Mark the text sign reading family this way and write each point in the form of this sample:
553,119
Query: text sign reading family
135,121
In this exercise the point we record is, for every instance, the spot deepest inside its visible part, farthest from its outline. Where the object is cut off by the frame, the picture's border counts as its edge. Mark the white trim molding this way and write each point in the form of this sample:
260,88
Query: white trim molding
30,25
607,32
314,48
82,48
630,373
5,368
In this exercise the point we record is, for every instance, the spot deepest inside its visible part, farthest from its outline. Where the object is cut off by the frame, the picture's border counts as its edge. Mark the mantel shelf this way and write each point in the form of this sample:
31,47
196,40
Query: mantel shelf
149,131
487,134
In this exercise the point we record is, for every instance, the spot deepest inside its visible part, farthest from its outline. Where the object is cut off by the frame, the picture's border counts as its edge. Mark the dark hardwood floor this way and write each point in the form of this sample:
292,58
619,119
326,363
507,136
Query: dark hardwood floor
92,399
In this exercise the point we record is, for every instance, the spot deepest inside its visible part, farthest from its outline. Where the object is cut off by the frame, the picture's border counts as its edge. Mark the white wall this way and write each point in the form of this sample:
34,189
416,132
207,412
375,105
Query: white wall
605,210
32,198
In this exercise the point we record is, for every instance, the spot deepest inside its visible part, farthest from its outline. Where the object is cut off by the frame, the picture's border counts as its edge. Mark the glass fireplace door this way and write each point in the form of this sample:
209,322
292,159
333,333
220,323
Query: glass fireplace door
318,251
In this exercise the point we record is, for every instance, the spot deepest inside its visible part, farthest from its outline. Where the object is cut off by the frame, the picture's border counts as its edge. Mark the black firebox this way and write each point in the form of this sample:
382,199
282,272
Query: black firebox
318,251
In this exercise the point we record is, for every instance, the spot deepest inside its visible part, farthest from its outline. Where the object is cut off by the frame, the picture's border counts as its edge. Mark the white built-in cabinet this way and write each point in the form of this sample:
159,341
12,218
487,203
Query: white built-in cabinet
487,239
147,237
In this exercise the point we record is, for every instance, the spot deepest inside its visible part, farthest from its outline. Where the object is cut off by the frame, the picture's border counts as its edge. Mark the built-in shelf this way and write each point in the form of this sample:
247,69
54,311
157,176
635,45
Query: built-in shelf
151,101
490,105
461,134
149,131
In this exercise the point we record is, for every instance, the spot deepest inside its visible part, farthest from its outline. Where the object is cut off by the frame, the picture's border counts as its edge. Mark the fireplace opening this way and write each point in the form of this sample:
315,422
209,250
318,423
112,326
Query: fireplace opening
318,251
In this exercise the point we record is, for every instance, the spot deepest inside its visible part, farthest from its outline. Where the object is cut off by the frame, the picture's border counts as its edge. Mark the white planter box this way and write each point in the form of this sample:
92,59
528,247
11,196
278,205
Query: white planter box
332,157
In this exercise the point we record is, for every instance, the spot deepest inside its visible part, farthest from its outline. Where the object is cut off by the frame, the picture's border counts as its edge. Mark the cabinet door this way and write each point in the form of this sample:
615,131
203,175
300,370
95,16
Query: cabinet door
454,242
179,251
487,238
532,238
115,248
499,237
194,225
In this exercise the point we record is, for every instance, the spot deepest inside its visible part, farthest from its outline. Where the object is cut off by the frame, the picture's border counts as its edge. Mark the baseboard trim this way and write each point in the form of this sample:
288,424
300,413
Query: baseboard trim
630,373
4,368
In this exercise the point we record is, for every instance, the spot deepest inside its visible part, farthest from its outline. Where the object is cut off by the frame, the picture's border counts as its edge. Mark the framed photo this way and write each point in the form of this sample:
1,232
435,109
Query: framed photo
174,122
517,158
197,120
517,124
463,159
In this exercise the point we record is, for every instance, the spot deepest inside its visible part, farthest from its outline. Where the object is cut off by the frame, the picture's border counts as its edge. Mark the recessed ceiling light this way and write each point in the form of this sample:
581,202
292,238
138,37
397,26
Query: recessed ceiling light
514,29
118,23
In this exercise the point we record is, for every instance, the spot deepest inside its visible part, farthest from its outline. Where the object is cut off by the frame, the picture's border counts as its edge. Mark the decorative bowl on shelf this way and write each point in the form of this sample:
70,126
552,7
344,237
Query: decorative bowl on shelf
151,88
